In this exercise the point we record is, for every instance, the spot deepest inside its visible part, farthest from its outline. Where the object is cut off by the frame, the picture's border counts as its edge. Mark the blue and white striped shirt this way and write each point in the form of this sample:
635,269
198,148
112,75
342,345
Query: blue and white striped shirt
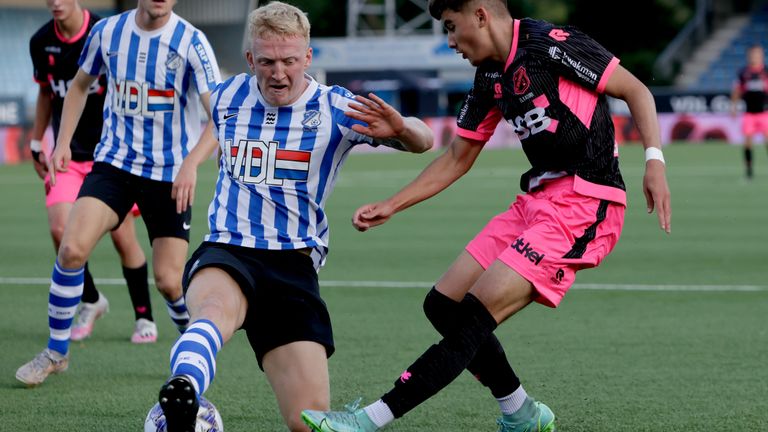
278,165
151,113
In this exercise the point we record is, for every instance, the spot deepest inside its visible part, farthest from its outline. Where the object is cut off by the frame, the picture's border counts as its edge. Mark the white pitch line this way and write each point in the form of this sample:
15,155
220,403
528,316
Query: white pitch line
405,284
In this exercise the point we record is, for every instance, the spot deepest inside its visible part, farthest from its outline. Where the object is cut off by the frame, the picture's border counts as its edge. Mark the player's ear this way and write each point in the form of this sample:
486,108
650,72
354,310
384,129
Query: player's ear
481,15
250,60
309,58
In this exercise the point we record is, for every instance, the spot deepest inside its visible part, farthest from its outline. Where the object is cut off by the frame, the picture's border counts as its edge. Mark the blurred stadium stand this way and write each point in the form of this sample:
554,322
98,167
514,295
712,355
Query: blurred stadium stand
708,52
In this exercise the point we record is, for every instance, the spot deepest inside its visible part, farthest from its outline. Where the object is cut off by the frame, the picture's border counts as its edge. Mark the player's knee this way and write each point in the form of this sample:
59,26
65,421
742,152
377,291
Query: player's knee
57,231
440,310
72,255
168,282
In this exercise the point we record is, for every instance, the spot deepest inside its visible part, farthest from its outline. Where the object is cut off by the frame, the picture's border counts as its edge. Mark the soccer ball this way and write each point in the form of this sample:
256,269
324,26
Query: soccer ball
208,419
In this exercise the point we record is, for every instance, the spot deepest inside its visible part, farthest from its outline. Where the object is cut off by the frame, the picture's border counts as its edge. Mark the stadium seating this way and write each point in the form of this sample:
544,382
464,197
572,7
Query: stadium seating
721,72
17,25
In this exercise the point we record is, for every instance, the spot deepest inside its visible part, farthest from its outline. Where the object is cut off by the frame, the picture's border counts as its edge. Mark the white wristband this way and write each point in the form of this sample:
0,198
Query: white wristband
35,145
654,153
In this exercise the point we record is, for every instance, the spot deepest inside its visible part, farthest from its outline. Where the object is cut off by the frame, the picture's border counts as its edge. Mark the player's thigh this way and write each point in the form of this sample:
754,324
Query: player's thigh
503,291
460,276
298,374
88,221
57,219
214,295
126,243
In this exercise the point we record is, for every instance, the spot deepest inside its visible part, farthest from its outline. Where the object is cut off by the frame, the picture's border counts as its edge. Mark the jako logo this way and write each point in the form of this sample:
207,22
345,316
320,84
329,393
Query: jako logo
525,249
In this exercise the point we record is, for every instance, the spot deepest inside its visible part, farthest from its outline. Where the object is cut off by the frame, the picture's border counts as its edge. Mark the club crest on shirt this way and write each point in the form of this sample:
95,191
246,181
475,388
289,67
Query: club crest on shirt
173,61
521,81
311,120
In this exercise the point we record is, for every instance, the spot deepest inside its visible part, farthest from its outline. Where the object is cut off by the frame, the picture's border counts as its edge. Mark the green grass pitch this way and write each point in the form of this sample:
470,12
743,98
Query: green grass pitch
669,334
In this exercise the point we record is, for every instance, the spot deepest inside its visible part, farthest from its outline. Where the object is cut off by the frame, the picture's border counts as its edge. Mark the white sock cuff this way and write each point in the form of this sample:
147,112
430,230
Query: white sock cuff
511,403
379,413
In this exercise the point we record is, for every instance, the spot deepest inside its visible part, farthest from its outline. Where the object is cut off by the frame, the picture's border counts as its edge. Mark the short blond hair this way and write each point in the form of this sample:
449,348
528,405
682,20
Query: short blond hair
278,19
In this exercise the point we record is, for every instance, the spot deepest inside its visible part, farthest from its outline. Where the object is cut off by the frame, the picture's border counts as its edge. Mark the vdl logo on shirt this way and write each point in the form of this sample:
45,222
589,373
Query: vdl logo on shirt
256,161
137,98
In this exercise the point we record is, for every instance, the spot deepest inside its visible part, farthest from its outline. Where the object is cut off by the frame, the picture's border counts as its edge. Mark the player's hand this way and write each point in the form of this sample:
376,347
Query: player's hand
371,215
383,121
59,161
183,189
41,165
657,193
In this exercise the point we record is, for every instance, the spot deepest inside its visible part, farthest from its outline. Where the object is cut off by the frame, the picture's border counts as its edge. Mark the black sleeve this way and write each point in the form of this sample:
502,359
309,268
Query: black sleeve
40,72
479,103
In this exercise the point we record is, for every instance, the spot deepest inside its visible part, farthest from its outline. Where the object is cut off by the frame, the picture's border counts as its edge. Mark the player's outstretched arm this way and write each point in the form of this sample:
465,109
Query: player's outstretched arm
74,103
457,159
183,189
626,86
388,127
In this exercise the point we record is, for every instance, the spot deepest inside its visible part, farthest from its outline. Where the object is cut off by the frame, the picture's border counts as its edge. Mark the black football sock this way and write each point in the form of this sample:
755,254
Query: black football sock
445,361
138,289
490,365
90,293
748,161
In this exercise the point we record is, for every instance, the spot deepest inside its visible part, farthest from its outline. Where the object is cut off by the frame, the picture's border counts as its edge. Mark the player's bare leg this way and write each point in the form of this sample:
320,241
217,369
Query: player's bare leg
298,374
218,308
134,264
169,255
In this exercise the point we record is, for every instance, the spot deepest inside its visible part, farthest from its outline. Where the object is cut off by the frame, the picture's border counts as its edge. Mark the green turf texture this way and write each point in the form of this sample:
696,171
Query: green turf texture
605,360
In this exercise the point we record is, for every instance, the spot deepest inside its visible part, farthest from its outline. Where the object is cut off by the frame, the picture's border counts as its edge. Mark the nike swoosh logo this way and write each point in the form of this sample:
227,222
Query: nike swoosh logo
111,53
186,226
229,116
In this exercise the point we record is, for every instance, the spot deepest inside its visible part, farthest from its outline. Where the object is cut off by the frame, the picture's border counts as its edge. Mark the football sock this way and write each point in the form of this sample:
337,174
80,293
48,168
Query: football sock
138,289
748,161
90,293
194,354
443,362
178,312
63,298
490,365
379,413
513,402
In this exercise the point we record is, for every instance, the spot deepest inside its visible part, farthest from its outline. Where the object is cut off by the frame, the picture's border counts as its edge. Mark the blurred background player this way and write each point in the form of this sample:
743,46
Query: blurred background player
55,49
283,138
751,85
157,66
550,82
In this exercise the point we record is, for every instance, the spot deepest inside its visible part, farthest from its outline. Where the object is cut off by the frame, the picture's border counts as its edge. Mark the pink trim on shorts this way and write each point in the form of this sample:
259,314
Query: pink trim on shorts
548,235
753,123
599,191
67,183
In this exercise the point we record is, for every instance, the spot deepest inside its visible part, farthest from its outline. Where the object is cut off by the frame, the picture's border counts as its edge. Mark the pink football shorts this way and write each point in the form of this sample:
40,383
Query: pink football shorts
68,185
549,234
753,123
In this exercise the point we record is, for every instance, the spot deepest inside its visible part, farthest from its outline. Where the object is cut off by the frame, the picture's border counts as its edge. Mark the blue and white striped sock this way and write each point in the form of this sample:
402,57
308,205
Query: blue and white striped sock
178,312
63,298
194,354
